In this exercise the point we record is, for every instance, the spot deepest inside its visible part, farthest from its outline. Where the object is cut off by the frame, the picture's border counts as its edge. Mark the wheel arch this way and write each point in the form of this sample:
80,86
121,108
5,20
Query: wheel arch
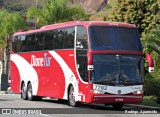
28,83
22,82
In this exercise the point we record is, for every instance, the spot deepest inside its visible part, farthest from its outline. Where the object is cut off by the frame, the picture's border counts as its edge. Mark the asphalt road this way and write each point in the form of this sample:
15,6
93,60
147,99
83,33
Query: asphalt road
11,105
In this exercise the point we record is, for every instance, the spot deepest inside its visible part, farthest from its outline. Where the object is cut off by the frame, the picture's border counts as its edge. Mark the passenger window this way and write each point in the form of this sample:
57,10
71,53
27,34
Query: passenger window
18,43
60,38
23,47
15,44
31,42
49,40
40,38
69,38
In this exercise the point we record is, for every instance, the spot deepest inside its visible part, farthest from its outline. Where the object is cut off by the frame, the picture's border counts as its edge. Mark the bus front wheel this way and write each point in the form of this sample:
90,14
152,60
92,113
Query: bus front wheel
71,98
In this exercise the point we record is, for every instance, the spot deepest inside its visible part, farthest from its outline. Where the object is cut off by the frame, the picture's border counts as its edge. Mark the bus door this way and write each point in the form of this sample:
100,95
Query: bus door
81,53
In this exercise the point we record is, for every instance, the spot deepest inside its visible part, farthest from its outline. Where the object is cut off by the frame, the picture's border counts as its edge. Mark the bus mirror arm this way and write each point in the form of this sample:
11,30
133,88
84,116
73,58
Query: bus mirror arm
150,63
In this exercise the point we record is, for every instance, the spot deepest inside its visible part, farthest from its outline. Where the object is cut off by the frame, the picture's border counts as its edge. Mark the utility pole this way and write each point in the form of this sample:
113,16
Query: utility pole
35,19
36,4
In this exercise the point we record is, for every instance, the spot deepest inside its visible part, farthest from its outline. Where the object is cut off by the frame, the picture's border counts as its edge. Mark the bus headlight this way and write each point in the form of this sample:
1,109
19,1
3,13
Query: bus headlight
138,92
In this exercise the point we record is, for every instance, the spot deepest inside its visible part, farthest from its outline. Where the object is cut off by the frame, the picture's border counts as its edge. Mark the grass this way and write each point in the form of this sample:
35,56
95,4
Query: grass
148,101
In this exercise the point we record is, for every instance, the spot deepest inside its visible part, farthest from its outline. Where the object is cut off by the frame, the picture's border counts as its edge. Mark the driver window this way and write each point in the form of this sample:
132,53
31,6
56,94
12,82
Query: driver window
81,41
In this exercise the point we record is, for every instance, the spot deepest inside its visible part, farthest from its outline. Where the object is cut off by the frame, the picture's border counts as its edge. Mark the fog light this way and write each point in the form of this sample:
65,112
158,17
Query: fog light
138,92
96,92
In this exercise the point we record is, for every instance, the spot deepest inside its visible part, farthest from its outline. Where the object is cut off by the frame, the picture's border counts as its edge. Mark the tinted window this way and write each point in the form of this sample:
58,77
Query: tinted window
48,40
14,44
114,38
69,38
40,38
17,44
49,37
23,47
31,42
81,40
60,38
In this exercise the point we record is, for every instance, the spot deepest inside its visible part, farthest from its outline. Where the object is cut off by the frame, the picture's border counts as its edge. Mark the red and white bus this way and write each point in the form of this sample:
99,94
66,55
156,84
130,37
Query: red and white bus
80,61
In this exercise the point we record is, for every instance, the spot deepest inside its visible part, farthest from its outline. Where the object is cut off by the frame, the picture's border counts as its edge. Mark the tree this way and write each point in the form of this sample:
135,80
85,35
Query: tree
3,13
1,43
55,11
10,23
151,43
143,13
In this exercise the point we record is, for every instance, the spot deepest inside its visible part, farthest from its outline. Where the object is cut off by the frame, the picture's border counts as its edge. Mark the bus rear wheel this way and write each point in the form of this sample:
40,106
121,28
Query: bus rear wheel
30,94
117,106
24,92
71,98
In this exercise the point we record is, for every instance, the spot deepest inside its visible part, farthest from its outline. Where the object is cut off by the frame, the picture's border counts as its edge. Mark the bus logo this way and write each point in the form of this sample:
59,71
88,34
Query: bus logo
119,91
40,62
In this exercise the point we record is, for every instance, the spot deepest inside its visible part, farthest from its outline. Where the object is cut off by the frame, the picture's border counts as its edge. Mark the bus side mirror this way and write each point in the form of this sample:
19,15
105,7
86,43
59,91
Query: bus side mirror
90,61
150,63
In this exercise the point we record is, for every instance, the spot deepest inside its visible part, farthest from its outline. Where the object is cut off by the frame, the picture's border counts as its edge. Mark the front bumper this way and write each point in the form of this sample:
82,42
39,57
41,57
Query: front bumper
108,99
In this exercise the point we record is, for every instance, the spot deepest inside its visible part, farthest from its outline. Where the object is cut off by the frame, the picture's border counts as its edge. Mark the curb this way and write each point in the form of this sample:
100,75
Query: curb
6,92
142,106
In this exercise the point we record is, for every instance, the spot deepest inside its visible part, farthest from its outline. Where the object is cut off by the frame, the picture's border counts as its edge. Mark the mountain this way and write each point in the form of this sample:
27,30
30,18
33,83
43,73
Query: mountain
91,5
97,9
22,6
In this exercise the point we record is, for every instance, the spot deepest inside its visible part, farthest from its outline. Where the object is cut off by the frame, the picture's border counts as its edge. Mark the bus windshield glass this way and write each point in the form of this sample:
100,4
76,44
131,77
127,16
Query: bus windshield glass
118,69
114,38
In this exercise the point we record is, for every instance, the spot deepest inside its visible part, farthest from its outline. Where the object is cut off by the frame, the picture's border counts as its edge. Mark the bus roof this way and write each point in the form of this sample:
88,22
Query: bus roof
74,23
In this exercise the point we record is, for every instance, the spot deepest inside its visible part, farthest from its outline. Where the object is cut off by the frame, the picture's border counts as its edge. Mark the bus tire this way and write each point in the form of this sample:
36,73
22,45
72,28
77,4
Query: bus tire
30,95
71,98
117,106
24,92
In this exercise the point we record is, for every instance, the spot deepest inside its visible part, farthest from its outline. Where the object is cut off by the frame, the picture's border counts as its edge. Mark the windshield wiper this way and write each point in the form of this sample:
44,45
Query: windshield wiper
131,81
106,80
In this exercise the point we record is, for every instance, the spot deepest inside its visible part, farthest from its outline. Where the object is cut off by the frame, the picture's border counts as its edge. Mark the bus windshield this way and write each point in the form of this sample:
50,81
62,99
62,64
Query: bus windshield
118,69
114,38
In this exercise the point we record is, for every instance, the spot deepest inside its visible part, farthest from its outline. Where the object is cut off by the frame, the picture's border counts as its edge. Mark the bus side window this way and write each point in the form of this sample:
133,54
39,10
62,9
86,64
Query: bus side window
55,38
31,42
49,35
69,38
81,41
18,43
23,47
40,41
14,44
60,38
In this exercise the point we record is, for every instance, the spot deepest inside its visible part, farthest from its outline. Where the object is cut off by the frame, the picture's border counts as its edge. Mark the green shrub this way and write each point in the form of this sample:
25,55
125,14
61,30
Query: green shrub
152,87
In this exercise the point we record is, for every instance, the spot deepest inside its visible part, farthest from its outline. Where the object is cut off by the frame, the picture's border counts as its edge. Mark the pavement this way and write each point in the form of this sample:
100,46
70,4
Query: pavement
143,106
127,105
